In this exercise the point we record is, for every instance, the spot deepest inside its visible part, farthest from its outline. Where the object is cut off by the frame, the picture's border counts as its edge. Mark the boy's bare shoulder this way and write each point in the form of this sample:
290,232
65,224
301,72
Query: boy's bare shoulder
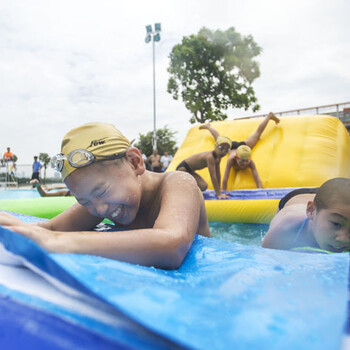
283,227
179,178
204,155
289,217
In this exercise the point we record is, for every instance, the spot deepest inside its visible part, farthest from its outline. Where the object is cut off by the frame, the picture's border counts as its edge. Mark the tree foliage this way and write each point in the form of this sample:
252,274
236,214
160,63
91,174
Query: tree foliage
165,141
214,71
45,159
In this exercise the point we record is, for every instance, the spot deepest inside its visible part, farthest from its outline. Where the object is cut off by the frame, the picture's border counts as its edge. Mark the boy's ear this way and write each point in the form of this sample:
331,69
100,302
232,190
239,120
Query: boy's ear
310,209
133,155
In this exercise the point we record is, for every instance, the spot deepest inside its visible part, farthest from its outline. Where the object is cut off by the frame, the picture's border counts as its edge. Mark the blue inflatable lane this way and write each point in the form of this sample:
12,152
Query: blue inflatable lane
253,194
223,296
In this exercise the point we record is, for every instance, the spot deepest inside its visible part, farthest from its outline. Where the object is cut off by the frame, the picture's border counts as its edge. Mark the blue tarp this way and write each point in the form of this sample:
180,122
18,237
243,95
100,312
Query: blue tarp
224,295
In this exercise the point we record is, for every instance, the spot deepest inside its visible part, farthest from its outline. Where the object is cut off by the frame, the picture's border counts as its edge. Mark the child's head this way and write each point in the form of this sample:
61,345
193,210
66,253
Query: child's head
222,145
333,192
243,153
87,144
107,187
330,214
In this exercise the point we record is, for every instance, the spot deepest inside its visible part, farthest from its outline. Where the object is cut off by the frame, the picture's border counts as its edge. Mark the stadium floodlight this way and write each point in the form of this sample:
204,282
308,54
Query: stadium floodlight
155,35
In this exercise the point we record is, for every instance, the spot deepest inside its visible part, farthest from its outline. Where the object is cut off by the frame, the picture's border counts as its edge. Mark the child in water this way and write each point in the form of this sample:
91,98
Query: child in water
63,192
313,217
163,211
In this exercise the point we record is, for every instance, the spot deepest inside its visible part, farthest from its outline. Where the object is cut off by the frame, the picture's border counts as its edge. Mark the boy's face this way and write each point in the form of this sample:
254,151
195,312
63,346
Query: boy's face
242,163
108,190
331,227
222,149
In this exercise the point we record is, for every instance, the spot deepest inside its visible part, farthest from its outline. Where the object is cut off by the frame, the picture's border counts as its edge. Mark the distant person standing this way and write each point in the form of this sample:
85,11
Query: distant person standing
154,162
165,160
36,168
144,157
8,155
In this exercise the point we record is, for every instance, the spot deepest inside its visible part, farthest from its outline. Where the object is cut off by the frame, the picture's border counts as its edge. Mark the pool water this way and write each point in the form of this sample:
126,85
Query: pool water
18,194
247,234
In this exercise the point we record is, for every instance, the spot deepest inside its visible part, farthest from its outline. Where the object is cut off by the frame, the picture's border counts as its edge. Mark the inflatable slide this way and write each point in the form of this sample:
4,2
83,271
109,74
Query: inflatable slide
300,151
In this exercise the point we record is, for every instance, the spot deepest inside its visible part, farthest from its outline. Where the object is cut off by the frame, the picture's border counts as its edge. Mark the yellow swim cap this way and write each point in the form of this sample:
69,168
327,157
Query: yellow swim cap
101,139
243,152
223,139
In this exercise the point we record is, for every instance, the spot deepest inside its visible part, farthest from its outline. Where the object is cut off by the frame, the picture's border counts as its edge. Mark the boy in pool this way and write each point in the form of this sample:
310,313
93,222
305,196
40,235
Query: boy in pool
313,217
239,156
63,192
163,211
210,159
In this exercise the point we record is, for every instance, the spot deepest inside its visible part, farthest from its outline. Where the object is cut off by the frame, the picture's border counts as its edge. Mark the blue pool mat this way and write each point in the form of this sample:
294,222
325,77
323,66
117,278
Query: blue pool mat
24,327
223,296
258,193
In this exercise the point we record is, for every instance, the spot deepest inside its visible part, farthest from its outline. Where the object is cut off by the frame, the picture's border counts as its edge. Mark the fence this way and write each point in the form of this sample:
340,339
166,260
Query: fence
8,177
339,110
9,173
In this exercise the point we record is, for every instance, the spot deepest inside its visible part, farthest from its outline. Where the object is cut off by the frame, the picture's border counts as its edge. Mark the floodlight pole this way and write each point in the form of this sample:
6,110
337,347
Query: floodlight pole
154,36
154,98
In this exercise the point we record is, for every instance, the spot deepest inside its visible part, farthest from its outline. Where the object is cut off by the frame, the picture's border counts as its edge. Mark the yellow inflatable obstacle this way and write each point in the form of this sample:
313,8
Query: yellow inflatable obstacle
300,151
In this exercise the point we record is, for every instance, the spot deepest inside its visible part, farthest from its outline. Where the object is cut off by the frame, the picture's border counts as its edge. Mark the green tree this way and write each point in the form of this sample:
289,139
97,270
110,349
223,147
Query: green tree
214,71
45,159
165,141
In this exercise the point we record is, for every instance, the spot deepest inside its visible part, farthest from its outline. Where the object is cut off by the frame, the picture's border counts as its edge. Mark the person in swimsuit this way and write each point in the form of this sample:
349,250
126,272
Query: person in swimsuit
154,162
211,160
239,156
313,217
63,192
159,214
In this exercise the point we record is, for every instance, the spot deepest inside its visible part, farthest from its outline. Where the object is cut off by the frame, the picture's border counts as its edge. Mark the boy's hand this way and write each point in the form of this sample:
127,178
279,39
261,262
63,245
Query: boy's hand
223,196
40,235
8,220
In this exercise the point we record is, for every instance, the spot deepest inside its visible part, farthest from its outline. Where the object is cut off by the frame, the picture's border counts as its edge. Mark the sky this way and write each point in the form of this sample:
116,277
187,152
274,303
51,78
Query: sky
69,62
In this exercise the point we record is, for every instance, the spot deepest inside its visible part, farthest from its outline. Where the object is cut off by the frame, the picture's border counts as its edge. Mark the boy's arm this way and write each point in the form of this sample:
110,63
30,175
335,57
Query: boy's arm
164,245
255,174
227,173
213,171
218,174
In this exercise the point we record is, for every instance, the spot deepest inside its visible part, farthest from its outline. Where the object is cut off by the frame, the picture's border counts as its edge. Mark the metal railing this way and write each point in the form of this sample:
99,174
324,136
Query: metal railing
8,177
339,110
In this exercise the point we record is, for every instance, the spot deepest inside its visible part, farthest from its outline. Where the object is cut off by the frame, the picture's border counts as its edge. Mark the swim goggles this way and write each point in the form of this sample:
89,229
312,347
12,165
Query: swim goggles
79,158
221,148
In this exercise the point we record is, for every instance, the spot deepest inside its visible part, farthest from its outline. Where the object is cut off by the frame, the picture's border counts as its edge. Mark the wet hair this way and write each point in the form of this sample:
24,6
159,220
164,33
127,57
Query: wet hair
333,191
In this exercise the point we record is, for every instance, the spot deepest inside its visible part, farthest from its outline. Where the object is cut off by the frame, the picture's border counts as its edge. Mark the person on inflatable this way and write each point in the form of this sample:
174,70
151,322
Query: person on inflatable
313,218
239,156
211,160
63,192
161,212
